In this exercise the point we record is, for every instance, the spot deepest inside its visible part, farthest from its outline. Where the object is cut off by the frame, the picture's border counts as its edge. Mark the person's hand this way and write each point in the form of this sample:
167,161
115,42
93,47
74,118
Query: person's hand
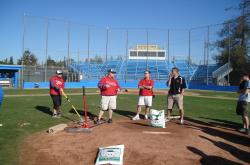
107,85
141,87
61,91
170,76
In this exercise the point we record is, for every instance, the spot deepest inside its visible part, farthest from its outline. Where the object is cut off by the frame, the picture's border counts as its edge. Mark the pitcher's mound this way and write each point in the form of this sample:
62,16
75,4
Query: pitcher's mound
192,143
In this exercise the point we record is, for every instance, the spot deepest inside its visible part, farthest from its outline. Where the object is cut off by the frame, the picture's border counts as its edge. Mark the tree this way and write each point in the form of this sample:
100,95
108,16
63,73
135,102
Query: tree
28,59
5,61
234,38
51,62
96,59
11,61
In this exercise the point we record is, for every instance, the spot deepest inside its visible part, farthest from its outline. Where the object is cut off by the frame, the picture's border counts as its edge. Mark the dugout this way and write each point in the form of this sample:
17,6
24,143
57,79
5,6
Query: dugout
10,75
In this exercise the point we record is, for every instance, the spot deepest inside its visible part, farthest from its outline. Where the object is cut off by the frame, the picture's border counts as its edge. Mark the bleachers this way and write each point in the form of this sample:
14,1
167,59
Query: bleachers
202,73
133,69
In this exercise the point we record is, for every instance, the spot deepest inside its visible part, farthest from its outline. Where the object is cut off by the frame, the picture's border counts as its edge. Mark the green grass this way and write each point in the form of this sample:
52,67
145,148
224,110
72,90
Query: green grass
43,91
216,93
17,110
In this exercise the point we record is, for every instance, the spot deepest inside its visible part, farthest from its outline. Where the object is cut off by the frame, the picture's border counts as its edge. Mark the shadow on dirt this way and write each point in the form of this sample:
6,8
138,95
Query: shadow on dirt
238,153
210,159
223,123
232,137
210,129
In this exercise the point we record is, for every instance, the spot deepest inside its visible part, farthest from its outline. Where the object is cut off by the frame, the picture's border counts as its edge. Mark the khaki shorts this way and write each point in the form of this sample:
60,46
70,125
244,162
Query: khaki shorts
242,108
108,103
145,100
175,99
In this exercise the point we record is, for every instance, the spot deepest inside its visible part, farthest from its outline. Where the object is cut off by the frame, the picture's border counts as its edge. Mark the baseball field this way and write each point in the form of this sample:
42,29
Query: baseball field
208,136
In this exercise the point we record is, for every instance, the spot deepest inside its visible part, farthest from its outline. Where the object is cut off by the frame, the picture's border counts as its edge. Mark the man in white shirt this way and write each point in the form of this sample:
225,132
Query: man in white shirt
242,105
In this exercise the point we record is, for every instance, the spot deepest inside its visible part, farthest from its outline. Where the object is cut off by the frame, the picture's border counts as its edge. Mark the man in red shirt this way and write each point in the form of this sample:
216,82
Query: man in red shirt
108,88
56,89
145,95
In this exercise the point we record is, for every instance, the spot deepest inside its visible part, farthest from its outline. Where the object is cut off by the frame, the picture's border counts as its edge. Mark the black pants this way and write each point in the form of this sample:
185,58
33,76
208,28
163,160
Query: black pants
57,101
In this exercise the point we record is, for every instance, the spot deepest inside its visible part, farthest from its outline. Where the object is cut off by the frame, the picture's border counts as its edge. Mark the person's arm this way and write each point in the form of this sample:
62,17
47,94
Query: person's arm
63,86
51,81
150,86
140,85
183,85
54,85
245,90
240,87
147,87
118,88
169,80
102,85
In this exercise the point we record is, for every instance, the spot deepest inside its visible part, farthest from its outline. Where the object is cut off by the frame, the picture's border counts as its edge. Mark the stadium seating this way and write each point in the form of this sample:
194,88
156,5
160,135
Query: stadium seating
133,70
204,73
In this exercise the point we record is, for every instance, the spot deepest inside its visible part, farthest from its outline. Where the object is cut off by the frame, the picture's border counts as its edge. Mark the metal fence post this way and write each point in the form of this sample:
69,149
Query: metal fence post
229,54
22,56
147,50
168,48
107,41
46,51
126,72
189,47
68,61
208,46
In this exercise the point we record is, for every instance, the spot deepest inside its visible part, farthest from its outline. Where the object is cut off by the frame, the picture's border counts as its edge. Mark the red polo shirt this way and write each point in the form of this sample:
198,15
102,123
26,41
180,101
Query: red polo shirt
55,84
146,92
108,86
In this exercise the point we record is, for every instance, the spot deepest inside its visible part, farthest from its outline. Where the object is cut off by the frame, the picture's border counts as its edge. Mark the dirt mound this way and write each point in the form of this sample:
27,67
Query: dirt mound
192,143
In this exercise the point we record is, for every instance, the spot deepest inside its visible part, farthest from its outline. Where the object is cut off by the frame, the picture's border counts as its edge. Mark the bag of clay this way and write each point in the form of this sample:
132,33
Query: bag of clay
157,118
110,155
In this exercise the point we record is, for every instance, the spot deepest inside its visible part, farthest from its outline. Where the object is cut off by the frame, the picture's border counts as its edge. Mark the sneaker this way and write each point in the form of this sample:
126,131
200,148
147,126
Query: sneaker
146,117
54,116
137,117
242,130
97,121
247,132
167,120
182,122
110,121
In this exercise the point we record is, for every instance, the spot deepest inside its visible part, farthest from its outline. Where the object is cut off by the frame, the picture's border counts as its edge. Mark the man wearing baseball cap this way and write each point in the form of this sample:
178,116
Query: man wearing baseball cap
108,89
56,88
145,95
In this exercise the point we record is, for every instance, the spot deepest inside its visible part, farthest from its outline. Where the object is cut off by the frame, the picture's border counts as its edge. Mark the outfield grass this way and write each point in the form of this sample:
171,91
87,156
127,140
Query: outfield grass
43,91
216,93
35,110
91,90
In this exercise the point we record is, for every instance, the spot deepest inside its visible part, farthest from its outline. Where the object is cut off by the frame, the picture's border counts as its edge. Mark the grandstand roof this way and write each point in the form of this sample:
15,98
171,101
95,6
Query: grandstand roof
146,47
10,67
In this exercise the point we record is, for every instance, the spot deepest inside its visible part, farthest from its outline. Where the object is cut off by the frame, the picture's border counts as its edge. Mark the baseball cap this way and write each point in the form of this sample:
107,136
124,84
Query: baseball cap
111,71
147,72
58,72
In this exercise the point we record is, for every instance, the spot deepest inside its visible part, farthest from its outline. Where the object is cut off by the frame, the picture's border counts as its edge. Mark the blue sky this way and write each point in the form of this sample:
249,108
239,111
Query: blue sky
105,13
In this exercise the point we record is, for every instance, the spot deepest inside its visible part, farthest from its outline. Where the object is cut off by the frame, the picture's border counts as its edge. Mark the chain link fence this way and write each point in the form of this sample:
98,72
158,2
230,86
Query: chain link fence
72,42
